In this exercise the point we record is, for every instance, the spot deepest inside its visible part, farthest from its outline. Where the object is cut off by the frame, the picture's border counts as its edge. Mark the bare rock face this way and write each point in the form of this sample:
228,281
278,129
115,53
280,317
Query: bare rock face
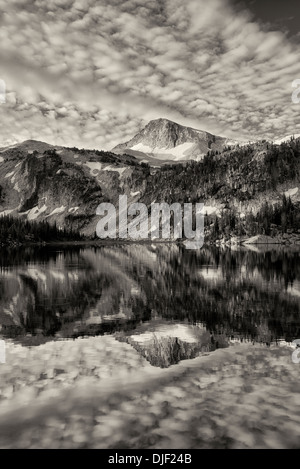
60,185
64,185
163,139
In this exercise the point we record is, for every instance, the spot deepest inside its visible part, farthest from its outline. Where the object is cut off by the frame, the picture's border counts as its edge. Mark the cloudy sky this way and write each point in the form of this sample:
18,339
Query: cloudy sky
91,73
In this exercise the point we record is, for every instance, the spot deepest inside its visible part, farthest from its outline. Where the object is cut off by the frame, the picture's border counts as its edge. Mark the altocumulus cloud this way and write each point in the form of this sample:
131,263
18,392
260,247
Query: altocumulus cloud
90,73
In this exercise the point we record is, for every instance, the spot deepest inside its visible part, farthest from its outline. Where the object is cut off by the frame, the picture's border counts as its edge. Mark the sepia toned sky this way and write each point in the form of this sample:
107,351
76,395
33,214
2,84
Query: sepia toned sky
91,73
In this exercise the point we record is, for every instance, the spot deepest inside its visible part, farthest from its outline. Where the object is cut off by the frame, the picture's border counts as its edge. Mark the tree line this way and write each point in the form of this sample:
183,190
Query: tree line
270,220
18,230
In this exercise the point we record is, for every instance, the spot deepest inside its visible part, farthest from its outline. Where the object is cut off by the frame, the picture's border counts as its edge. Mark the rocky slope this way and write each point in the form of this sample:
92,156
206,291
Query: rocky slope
165,141
65,185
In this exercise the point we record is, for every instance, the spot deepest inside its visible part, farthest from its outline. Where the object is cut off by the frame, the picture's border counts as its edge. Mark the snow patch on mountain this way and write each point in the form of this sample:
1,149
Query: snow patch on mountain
209,210
287,138
94,166
113,168
175,153
16,187
60,209
291,192
6,212
73,209
36,212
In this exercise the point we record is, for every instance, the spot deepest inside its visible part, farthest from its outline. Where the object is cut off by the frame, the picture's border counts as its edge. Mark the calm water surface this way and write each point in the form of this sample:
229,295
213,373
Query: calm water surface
167,302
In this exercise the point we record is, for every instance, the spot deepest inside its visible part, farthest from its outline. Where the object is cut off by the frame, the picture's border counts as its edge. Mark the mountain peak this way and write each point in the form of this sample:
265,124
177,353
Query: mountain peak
163,140
163,122
31,145
160,121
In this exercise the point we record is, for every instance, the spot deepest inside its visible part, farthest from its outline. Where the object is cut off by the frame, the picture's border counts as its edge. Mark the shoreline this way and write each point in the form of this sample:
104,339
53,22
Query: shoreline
273,242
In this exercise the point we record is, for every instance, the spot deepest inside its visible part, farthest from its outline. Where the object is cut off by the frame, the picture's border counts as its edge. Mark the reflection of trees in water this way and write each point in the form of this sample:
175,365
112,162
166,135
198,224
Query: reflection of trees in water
47,310
244,300
63,304
234,306
272,265
29,254
57,310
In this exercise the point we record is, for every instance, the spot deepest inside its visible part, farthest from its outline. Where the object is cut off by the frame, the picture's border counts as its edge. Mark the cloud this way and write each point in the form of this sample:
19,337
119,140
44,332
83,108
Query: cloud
91,73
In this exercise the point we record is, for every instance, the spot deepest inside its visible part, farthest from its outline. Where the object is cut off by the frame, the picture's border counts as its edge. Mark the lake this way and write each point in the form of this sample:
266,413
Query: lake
169,303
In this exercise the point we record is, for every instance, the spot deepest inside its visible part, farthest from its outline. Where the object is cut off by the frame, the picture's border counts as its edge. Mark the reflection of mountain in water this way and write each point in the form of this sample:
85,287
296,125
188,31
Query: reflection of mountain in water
164,343
82,291
66,292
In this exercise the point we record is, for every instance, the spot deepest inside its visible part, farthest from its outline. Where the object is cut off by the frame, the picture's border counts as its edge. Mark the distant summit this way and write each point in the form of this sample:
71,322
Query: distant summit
166,141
